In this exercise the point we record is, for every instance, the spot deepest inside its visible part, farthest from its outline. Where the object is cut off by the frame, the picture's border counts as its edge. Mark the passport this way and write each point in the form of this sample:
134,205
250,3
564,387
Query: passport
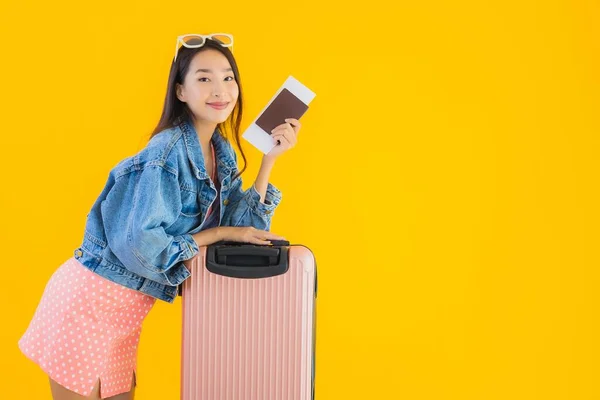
285,105
290,101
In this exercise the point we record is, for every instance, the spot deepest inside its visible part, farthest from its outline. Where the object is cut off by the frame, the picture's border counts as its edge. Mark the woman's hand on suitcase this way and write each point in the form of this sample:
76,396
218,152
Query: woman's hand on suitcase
247,234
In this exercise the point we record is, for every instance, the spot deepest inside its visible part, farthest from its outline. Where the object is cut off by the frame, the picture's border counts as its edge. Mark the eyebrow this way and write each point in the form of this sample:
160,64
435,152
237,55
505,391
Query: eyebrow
210,70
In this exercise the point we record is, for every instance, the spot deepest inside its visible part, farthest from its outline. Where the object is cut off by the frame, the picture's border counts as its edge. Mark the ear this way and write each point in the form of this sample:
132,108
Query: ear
179,92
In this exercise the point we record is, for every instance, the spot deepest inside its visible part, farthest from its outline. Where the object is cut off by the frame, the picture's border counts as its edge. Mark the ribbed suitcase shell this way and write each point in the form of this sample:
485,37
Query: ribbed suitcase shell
249,339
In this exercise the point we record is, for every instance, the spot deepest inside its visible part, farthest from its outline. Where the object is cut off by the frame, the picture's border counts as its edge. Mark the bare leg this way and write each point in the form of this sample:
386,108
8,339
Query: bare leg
62,393
126,396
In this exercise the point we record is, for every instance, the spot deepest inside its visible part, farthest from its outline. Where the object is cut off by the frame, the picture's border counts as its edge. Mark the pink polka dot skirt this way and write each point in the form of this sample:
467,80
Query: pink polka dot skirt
86,328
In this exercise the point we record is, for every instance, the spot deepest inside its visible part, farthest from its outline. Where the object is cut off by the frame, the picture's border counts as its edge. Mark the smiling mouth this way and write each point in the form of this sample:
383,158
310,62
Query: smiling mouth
218,106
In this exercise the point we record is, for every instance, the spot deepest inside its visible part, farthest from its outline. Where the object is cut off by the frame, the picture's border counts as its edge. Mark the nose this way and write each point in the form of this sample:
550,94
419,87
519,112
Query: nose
218,90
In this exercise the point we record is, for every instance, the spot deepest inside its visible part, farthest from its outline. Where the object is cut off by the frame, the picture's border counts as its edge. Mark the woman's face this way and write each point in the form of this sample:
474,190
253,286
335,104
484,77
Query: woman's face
209,88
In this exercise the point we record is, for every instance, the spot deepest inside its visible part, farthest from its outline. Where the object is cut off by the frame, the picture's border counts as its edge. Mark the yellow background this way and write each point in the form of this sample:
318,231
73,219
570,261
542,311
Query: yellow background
446,179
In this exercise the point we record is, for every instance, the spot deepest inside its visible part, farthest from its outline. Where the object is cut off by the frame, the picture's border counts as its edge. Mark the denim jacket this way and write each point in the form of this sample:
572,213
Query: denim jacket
139,230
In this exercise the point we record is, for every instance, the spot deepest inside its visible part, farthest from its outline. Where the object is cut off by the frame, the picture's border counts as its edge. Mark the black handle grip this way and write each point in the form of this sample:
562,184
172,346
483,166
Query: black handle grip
253,264
274,243
243,260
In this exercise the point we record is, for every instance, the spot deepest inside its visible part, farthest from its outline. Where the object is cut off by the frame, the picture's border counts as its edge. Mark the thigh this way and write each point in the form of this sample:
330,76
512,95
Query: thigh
60,392
126,396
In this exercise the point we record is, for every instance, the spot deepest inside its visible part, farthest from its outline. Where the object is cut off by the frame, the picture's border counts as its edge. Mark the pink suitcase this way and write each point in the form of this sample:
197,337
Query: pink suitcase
249,323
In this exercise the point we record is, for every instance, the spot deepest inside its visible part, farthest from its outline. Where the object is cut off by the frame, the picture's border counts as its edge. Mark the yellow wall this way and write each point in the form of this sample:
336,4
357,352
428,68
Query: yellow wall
446,178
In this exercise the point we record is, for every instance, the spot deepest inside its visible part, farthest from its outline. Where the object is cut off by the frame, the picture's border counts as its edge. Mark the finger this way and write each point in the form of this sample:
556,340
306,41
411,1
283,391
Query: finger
281,140
287,137
291,137
287,125
276,139
295,123
277,135
272,236
260,241
280,127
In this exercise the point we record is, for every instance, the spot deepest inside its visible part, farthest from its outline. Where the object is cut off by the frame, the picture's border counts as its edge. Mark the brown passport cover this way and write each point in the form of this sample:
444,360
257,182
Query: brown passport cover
285,105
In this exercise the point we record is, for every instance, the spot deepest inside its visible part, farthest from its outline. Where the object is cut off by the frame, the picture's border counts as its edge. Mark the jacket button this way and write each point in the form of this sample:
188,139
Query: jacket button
267,211
225,202
78,253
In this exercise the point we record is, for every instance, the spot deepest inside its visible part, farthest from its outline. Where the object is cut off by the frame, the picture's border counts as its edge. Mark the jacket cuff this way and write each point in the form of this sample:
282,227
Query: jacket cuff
272,200
189,247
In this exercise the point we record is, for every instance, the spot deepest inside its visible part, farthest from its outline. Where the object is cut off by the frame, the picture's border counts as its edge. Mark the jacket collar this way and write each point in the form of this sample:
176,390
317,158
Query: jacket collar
223,150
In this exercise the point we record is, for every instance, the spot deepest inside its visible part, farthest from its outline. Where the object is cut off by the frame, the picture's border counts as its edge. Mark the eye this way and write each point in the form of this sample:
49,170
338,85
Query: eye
202,80
232,78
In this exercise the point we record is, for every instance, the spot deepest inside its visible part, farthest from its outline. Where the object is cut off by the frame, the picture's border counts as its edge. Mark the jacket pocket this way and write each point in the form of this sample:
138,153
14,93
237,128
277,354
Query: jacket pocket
190,204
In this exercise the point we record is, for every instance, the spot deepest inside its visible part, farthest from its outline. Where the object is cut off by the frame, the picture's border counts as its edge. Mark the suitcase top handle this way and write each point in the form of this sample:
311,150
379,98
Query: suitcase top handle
248,261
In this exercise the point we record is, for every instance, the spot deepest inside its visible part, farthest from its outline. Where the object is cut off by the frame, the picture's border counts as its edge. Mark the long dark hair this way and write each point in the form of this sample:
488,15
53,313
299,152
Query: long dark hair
176,111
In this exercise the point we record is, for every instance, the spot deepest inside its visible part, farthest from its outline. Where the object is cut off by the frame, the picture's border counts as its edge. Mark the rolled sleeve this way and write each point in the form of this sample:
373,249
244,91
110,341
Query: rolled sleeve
272,199
191,246
246,209
149,203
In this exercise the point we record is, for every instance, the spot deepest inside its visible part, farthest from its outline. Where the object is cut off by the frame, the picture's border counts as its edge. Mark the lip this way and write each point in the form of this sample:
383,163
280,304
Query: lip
218,106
